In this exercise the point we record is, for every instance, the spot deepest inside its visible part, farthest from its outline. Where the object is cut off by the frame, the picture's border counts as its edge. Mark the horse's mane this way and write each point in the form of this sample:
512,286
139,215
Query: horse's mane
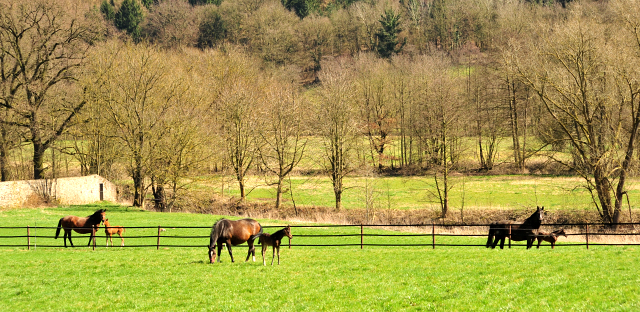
96,217
534,220
220,228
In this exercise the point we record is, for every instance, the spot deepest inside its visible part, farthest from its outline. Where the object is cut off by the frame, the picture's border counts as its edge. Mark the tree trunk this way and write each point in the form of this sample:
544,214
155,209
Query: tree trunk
279,193
4,170
138,184
38,159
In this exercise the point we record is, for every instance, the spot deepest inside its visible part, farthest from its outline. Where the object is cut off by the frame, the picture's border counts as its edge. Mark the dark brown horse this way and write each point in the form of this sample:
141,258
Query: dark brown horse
109,230
519,231
233,233
550,237
80,225
274,240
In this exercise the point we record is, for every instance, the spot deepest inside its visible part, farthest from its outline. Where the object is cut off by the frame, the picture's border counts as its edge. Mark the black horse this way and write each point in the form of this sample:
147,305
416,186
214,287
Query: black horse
519,231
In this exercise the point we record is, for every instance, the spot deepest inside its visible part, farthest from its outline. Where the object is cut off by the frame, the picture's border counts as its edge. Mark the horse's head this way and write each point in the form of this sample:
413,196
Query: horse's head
540,212
560,232
98,217
287,232
212,253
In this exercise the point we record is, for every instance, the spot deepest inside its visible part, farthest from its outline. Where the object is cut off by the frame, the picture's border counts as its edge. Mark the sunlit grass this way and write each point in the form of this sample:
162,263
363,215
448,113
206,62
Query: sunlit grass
309,278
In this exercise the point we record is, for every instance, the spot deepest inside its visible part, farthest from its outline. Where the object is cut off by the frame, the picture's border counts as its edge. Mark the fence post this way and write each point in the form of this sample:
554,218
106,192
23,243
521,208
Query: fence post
28,239
509,235
158,245
433,235
587,234
361,235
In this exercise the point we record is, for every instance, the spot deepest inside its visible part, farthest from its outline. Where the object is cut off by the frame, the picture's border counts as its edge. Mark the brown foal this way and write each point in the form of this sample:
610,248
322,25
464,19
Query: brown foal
274,240
550,237
110,230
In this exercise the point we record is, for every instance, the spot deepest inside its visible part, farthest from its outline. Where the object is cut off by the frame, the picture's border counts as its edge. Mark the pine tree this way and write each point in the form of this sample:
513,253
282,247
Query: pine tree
129,17
388,42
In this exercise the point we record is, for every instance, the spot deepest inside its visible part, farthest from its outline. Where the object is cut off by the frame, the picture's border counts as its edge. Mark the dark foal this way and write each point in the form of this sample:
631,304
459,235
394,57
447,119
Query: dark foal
274,240
550,237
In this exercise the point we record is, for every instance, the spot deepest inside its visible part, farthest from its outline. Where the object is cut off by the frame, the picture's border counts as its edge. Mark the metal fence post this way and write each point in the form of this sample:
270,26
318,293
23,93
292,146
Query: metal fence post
158,245
28,239
361,236
509,236
587,235
433,235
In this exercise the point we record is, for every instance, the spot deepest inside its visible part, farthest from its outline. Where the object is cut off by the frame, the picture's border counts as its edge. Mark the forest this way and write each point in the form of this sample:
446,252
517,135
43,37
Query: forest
158,93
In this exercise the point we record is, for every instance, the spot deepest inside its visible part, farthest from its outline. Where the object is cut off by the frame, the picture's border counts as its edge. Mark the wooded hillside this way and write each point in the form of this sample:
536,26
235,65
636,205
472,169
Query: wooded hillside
163,91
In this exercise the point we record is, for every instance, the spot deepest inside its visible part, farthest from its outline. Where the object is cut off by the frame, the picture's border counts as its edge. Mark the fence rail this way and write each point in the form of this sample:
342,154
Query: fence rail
429,237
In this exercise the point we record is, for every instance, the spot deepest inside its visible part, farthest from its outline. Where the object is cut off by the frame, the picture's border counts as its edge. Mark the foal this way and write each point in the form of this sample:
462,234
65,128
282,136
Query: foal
274,240
550,237
110,230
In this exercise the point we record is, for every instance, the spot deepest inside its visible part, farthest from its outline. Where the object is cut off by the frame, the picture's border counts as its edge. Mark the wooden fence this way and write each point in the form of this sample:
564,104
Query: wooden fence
366,235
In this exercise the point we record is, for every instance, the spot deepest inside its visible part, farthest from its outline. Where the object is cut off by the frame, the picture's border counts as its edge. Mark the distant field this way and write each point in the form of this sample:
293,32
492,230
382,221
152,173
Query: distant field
477,192
309,278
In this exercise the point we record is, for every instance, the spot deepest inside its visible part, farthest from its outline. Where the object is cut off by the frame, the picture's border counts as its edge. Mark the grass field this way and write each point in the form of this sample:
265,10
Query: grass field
309,278
475,192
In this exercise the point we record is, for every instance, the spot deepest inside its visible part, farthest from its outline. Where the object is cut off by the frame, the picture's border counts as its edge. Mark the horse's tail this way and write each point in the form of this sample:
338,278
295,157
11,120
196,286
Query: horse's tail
58,229
257,235
491,235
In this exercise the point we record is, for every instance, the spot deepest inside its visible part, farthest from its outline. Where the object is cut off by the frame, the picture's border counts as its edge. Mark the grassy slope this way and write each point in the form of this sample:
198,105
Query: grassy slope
478,192
309,278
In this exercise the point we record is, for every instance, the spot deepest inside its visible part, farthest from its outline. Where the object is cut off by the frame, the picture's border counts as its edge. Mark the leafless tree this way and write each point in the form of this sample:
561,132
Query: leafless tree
42,48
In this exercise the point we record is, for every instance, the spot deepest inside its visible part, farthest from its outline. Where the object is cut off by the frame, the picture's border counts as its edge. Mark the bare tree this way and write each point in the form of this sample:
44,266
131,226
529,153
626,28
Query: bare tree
281,131
42,47
593,99
139,92
336,124
237,105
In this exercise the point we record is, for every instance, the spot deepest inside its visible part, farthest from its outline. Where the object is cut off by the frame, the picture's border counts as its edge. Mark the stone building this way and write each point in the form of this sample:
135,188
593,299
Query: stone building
65,191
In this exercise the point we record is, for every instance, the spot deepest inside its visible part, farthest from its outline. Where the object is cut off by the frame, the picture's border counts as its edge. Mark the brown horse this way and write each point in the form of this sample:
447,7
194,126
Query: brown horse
550,237
233,233
81,225
110,230
516,231
274,240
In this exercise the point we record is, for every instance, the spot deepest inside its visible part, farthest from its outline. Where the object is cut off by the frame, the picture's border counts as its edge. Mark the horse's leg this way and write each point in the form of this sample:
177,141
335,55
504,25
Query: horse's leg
539,241
553,245
220,252
264,249
121,240
65,238
490,238
278,250
251,250
273,255
502,242
229,248
70,242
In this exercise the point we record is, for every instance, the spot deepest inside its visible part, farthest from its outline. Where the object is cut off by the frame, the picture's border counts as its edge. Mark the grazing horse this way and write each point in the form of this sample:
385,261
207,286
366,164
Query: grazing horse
274,240
519,231
550,237
80,225
110,230
233,233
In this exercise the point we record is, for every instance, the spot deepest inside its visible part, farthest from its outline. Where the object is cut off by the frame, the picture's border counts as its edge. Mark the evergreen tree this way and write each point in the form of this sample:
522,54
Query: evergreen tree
201,2
129,17
212,30
107,10
298,6
387,37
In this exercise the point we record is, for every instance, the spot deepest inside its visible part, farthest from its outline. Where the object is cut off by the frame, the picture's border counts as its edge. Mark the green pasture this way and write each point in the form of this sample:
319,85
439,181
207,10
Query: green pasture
468,192
308,279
